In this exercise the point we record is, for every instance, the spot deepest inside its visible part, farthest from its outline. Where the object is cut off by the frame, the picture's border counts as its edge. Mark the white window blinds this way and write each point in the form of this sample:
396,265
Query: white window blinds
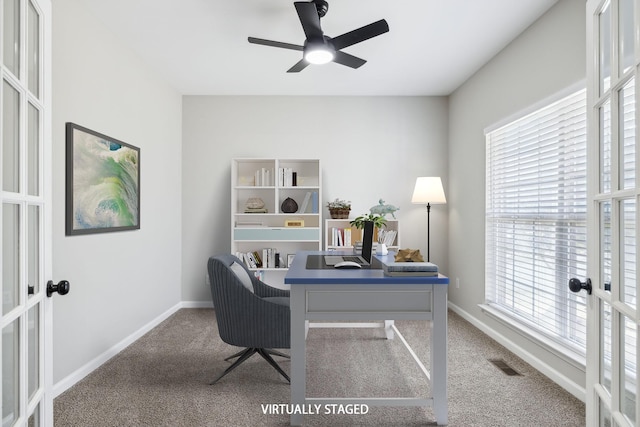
536,219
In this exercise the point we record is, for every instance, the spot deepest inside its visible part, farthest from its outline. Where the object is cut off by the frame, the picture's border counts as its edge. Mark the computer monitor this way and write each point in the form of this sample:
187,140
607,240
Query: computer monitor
367,241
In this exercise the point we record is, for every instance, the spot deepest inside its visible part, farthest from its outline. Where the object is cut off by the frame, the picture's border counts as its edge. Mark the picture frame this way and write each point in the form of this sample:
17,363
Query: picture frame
102,183
290,260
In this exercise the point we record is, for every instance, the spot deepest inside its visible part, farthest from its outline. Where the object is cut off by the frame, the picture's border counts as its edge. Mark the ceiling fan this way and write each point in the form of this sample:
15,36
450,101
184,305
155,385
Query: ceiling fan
321,49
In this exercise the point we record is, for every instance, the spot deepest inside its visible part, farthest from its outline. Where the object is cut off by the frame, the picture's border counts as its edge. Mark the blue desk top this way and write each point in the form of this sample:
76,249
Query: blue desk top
298,273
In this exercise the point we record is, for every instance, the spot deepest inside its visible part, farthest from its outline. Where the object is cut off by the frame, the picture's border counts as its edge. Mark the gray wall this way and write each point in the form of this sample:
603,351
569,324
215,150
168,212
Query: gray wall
119,281
370,148
545,59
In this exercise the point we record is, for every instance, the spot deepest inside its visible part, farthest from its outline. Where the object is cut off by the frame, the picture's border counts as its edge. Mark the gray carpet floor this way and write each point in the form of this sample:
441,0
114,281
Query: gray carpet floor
163,380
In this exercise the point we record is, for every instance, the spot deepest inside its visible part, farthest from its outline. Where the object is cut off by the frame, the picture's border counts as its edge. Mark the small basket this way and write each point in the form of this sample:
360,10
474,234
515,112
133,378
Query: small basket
339,213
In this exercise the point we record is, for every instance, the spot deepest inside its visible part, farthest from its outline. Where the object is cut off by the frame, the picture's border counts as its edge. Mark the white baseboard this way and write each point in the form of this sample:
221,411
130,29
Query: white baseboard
563,381
196,304
71,379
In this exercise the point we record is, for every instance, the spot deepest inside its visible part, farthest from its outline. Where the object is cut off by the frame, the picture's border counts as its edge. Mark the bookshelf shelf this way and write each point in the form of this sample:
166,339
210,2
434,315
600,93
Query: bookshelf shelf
335,237
272,181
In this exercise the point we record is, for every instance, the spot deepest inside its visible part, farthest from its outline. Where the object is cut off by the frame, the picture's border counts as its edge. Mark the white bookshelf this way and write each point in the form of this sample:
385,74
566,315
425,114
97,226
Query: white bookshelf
257,231
333,227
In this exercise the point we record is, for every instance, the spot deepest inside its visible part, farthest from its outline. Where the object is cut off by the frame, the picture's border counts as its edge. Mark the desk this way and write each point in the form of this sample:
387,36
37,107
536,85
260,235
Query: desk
365,295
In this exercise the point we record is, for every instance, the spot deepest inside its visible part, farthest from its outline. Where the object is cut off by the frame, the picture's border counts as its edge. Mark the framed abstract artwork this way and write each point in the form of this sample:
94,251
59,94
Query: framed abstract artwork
102,183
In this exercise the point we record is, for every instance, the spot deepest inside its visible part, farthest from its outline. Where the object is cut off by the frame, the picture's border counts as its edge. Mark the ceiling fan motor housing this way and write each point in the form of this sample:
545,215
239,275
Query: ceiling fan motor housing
322,7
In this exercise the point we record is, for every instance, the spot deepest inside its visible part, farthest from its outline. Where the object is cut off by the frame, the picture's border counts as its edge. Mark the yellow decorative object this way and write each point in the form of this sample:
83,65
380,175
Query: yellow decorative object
294,223
409,255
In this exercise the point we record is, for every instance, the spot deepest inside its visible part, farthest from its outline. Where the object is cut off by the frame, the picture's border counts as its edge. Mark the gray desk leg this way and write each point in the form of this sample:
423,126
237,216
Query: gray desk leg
439,354
298,350
388,329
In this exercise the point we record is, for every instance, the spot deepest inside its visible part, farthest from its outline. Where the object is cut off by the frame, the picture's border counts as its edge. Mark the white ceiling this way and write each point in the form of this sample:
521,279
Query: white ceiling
200,46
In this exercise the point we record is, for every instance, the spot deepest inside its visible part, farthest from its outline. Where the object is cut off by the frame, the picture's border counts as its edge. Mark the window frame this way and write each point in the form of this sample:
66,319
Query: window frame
573,353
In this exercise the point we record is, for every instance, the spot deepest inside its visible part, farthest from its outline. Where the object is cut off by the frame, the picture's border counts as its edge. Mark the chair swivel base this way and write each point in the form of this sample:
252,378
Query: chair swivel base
268,350
247,353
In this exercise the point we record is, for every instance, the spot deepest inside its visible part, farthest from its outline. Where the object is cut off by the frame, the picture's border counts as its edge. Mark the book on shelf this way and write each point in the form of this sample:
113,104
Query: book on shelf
257,259
287,177
252,259
340,236
263,177
305,203
271,258
247,260
310,198
255,210
387,237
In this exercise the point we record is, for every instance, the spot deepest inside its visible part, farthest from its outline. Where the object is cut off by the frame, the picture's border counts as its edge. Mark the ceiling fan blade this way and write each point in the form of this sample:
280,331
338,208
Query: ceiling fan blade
361,34
309,19
348,60
300,65
275,44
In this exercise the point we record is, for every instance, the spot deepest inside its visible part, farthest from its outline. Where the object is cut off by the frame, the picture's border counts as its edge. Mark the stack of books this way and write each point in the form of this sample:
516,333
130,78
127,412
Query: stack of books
357,248
253,210
393,268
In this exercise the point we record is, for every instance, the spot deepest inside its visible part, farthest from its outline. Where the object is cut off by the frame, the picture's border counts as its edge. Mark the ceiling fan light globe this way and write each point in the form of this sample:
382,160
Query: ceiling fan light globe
319,56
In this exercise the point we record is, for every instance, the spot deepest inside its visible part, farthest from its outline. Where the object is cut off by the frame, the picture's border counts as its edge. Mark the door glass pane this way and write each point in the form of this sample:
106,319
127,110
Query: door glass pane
628,252
628,136
34,418
10,139
11,35
33,248
605,415
605,147
628,375
10,372
605,346
33,350
33,150
605,48
10,256
605,244
625,17
33,50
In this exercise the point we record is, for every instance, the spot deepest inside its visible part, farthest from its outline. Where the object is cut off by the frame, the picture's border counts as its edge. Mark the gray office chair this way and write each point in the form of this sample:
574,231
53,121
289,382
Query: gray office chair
249,312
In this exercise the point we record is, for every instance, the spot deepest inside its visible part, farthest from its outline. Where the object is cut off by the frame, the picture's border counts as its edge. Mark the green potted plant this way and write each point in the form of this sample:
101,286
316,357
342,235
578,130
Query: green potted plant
378,220
339,209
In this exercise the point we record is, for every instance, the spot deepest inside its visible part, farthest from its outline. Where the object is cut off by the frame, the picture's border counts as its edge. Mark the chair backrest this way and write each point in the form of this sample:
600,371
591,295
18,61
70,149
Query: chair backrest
244,318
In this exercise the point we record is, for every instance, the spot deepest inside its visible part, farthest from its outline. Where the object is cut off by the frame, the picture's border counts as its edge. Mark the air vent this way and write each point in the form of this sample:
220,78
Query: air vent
504,367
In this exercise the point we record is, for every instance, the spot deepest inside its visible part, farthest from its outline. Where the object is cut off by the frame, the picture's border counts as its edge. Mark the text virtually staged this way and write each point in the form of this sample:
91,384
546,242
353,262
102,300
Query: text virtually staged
314,409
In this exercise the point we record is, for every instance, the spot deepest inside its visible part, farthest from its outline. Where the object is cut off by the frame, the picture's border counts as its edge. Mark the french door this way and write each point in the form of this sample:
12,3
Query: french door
25,217
613,58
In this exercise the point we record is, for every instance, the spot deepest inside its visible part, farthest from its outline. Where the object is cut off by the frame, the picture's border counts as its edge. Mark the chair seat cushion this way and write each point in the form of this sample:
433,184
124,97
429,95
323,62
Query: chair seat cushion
278,300
242,275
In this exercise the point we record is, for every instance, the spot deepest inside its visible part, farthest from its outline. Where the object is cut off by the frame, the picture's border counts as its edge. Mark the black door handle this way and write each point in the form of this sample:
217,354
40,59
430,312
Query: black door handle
62,287
576,285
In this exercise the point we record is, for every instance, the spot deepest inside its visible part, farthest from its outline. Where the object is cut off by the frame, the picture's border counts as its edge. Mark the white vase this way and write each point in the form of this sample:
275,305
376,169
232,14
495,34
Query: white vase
381,249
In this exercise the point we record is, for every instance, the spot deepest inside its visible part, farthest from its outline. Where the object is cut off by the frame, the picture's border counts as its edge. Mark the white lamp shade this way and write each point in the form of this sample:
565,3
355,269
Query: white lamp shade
429,190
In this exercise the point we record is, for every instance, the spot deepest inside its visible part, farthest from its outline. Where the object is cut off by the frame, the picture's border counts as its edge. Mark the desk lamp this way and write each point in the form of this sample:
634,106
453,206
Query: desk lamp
428,190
